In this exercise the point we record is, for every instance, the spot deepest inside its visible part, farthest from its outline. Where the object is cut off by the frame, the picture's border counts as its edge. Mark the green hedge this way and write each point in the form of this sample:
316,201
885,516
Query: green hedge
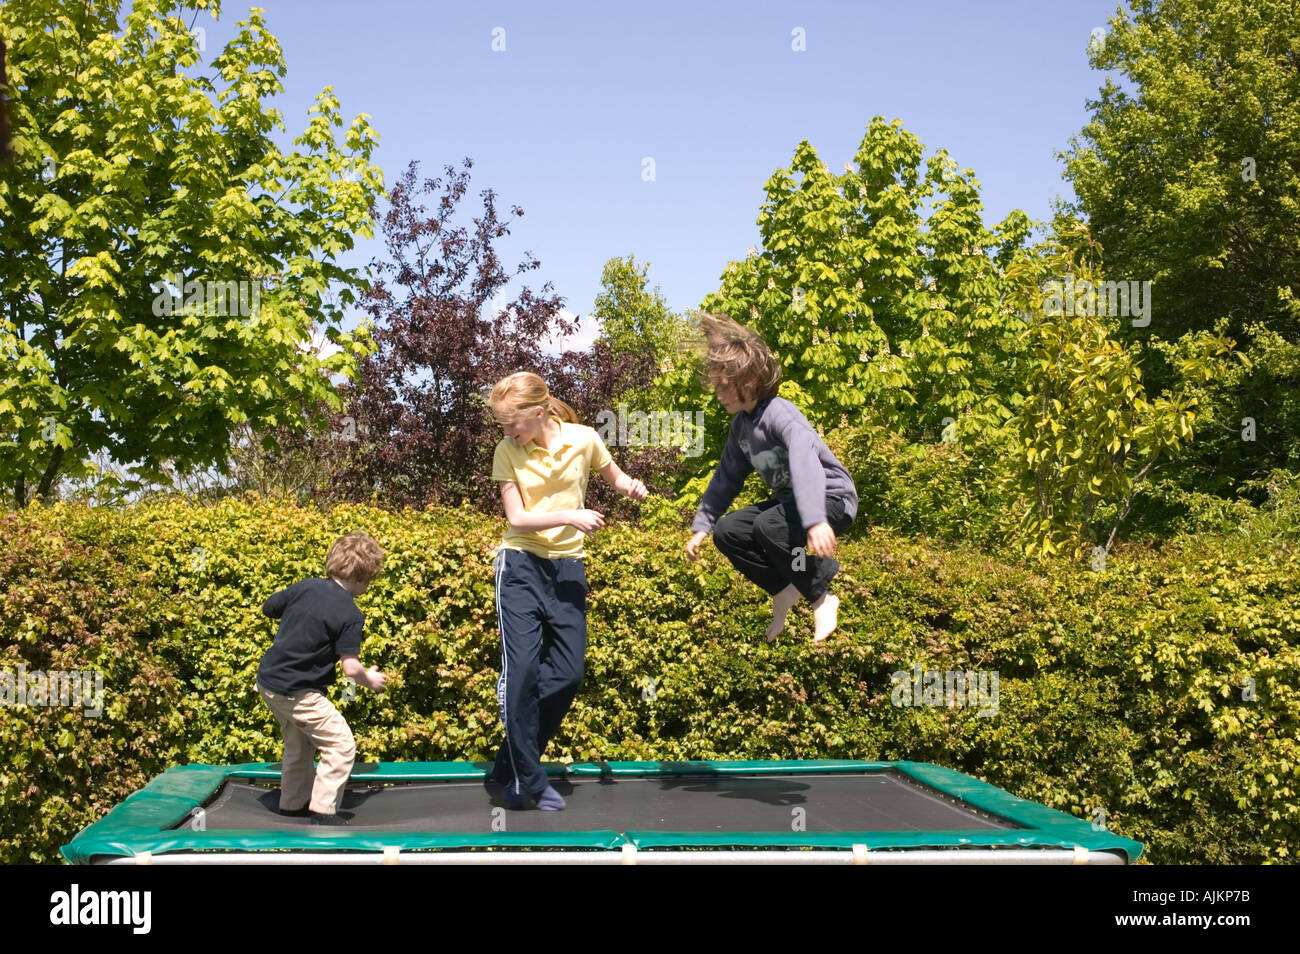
1120,692
68,605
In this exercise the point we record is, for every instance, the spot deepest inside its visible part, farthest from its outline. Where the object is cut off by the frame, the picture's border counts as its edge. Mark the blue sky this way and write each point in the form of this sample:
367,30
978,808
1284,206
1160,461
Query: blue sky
560,121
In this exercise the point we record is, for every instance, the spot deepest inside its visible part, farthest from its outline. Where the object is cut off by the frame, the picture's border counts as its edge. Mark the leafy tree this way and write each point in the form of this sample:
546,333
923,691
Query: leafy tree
1189,179
162,260
641,338
634,320
418,411
1088,436
871,307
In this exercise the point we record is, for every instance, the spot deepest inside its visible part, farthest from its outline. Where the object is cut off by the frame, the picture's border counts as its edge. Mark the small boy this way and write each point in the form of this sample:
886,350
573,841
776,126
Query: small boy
319,622
814,497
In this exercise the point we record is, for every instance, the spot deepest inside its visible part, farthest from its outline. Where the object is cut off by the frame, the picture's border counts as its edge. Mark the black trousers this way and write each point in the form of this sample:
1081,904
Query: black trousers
760,542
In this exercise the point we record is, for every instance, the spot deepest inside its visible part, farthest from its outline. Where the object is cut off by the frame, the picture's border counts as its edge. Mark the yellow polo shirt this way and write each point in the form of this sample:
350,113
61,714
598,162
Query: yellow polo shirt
549,481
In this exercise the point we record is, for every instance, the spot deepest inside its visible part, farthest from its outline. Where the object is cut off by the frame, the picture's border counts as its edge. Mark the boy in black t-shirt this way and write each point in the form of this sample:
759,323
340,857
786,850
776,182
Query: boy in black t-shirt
319,622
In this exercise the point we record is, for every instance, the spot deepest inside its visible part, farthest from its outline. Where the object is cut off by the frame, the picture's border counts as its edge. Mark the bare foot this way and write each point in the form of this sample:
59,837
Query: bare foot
826,616
781,604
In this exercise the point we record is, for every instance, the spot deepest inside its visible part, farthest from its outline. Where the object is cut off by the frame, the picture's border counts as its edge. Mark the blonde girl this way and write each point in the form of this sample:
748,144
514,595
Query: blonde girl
542,465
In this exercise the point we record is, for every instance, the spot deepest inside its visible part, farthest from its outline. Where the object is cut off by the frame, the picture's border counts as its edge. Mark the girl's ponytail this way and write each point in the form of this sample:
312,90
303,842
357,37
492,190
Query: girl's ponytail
562,411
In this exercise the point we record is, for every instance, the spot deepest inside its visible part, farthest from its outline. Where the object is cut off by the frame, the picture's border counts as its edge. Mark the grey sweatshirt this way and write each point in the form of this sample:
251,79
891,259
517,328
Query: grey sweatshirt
776,440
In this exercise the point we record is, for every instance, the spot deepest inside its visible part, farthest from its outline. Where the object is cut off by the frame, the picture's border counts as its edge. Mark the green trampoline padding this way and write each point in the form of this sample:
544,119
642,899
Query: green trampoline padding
613,806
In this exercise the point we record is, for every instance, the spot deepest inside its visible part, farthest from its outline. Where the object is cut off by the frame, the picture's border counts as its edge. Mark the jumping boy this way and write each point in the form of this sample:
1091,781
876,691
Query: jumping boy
814,498
319,623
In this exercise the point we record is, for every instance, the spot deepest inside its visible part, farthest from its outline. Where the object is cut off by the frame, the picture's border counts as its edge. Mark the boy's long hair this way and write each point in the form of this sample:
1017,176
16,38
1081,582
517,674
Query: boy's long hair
524,390
357,557
739,355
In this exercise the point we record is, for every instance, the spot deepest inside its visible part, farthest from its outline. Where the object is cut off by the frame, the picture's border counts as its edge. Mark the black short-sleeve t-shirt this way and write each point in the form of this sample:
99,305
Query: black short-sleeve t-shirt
319,622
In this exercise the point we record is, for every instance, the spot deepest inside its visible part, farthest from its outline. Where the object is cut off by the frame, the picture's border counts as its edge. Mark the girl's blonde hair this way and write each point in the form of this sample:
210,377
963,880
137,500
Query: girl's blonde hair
523,391
357,557
739,355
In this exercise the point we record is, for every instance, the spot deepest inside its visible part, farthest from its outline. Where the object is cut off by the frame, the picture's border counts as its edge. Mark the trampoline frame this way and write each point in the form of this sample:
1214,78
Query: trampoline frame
141,830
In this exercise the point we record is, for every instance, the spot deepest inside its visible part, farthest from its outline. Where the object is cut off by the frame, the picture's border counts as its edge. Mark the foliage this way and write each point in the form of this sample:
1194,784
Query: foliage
1186,172
947,489
69,604
162,261
1088,434
872,307
642,337
634,320
418,413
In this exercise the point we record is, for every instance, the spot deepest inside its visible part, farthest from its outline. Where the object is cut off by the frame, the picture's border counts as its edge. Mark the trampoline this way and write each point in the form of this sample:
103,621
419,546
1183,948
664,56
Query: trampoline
789,812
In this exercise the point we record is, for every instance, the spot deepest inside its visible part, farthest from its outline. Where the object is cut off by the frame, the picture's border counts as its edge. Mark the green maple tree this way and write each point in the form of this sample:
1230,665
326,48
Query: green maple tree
136,164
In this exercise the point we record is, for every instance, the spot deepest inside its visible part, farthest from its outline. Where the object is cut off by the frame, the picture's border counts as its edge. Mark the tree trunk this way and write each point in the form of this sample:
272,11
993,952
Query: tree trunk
51,472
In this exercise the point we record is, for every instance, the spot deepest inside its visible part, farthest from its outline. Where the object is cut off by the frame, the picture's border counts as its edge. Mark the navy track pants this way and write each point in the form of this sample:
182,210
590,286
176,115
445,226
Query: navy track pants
542,615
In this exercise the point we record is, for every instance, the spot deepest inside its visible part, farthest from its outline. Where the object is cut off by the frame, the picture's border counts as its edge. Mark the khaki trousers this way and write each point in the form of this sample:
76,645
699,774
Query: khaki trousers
309,722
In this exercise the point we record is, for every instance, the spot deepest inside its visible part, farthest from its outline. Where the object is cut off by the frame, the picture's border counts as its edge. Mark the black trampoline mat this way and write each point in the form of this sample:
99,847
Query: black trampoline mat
882,800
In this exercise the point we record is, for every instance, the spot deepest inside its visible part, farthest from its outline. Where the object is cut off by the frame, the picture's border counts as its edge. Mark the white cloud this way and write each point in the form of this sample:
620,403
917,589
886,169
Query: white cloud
319,345
586,335
495,305
554,344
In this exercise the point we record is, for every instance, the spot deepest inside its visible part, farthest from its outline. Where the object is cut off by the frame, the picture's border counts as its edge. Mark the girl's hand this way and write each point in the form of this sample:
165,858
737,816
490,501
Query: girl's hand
588,521
821,540
636,490
693,543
